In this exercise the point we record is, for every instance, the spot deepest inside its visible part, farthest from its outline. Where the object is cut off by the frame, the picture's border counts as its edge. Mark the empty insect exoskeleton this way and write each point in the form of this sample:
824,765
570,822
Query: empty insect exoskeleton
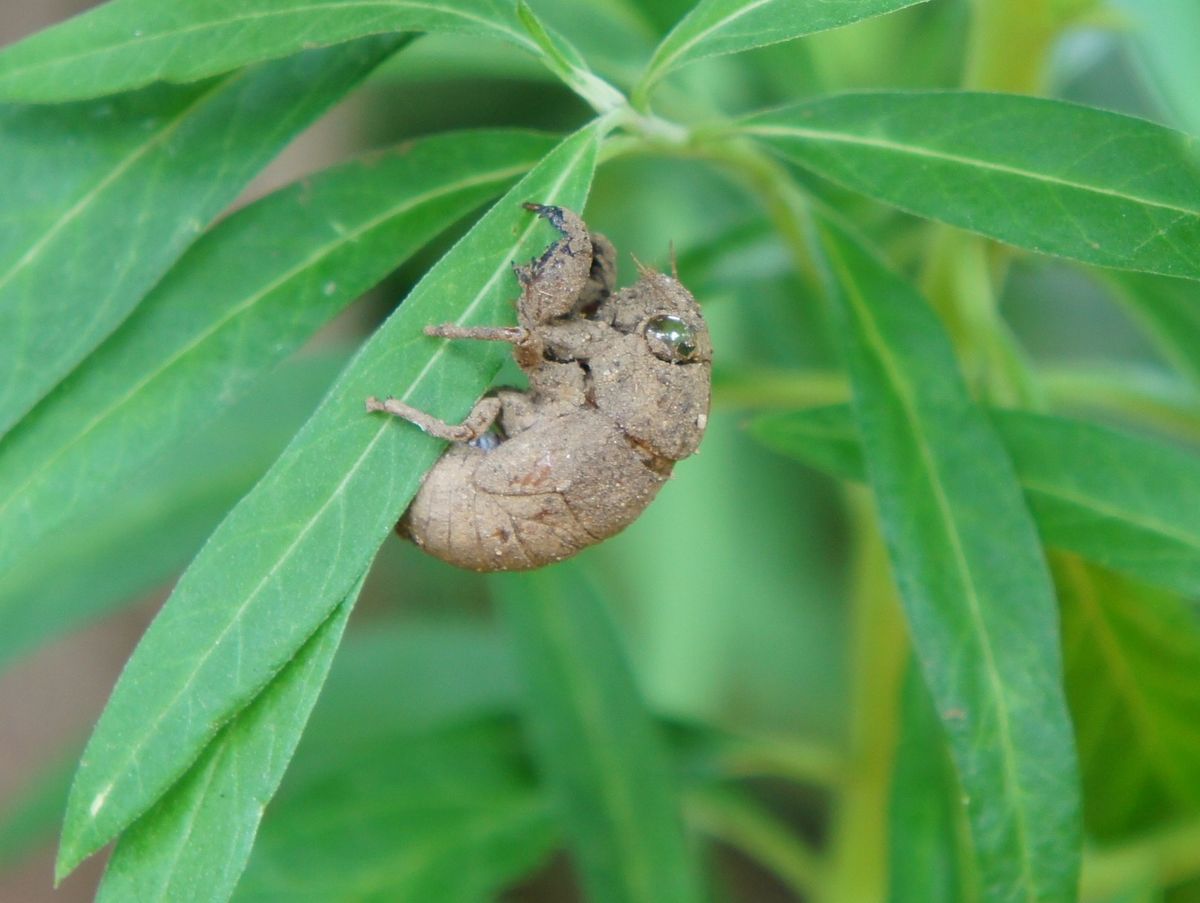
618,392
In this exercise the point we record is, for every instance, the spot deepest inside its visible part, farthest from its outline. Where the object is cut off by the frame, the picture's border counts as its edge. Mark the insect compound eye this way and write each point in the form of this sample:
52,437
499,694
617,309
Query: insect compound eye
671,338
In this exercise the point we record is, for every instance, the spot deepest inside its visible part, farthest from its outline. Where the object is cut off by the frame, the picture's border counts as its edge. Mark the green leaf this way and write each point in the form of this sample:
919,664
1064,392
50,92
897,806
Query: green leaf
1134,508
928,857
1123,501
244,296
290,551
972,579
1131,656
449,816
596,743
564,61
715,27
126,44
612,35
132,541
826,438
1044,175
1169,310
194,843
101,198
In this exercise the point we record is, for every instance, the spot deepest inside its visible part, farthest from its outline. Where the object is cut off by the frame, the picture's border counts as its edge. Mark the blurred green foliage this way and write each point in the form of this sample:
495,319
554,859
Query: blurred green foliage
721,702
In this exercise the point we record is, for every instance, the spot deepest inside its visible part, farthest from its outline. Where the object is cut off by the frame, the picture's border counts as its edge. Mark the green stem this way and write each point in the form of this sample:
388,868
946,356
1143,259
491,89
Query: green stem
754,388
1008,49
800,761
1009,45
737,820
766,178
1134,394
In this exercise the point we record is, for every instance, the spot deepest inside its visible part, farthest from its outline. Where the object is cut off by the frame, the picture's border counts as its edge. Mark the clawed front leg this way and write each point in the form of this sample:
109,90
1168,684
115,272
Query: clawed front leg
552,282
515,335
527,345
478,422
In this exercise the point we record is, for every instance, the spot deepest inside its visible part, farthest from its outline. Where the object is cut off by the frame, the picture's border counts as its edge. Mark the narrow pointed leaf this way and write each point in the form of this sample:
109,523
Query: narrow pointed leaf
194,843
1134,508
596,743
126,44
1044,175
100,198
972,579
565,62
826,438
245,295
291,550
1120,500
715,27
1131,655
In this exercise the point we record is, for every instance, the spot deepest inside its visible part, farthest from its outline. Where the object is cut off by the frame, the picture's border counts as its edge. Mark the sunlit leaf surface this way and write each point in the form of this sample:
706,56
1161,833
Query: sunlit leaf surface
972,579
1045,175
247,294
100,198
1135,507
716,27
290,551
126,44
194,843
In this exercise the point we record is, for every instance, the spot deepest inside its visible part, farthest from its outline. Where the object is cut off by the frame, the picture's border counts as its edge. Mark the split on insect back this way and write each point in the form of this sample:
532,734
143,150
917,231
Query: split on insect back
619,386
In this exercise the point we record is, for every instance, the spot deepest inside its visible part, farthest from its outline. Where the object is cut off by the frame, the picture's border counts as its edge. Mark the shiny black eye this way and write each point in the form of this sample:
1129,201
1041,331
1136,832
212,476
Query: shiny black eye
671,338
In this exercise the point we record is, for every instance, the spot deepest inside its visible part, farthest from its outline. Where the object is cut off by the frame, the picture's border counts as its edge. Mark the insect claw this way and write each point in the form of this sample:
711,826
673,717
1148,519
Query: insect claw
554,215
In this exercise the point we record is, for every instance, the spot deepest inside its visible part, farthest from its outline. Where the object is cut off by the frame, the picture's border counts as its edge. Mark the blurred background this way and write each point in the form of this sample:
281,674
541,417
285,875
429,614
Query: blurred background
731,591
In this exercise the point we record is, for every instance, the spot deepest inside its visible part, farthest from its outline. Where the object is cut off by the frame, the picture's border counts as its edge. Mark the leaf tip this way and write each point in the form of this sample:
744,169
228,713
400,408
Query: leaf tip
76,843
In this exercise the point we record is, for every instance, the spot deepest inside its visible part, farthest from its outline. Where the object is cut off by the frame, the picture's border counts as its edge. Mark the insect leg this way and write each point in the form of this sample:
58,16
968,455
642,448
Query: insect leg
552,283
516,335
482,416
527,345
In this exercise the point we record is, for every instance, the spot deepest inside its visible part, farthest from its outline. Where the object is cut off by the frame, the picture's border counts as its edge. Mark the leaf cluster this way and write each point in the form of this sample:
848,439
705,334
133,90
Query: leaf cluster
1018,720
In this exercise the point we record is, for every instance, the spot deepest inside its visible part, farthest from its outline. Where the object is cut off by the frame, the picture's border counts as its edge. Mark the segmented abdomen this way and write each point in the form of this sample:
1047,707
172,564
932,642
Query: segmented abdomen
541,496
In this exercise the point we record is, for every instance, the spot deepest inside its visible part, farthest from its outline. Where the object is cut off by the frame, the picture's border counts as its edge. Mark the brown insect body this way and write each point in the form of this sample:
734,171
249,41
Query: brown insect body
618,392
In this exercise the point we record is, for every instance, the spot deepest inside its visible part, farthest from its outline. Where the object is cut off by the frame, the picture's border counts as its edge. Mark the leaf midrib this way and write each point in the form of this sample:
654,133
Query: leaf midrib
321,252
664,65
1086,502
1124,515
172,34
78,208
903,392
117,171
836,137
134,748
